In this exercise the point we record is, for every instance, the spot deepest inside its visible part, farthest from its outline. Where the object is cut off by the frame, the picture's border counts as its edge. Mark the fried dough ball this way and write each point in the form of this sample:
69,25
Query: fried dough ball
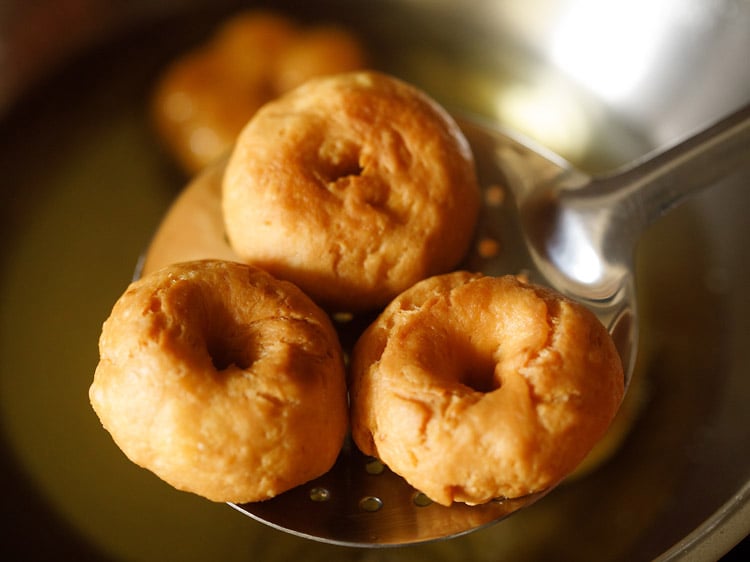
354,187
474,388
222,380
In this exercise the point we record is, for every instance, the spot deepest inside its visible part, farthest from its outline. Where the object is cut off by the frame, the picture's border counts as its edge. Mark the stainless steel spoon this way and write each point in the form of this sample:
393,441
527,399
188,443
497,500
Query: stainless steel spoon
561,228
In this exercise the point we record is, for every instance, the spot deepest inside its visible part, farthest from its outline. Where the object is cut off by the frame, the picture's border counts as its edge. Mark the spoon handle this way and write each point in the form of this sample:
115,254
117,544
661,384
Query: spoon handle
584,232
661,182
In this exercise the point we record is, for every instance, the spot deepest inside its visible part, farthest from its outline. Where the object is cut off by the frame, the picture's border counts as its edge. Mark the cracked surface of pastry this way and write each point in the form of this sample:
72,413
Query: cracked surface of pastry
222,380
354,187
473,387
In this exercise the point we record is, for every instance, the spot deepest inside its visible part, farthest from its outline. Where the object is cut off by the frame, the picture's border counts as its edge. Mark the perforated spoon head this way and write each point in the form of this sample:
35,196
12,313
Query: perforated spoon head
360,502
555,226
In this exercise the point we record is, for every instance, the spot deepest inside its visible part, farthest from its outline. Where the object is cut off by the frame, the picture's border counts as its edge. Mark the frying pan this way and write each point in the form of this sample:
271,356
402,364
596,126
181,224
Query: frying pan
85,183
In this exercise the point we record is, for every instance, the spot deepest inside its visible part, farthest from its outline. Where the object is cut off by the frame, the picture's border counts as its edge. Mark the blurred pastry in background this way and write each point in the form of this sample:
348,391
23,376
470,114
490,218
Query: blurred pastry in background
205,97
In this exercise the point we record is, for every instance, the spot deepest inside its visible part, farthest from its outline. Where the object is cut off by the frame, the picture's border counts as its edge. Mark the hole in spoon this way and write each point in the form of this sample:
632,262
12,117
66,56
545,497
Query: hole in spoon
370,504
320,494
421,499
374,467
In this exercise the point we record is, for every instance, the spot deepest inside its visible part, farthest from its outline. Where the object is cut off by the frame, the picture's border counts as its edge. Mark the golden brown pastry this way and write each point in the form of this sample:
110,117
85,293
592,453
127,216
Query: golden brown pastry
353,187
474,387
622,425
205,97
222,380
193,227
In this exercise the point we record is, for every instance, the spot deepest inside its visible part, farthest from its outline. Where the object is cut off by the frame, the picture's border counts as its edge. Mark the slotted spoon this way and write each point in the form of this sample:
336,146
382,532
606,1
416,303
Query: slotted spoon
563,229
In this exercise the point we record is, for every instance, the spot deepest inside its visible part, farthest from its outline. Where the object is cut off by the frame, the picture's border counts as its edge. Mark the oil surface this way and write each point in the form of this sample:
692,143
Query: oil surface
85,185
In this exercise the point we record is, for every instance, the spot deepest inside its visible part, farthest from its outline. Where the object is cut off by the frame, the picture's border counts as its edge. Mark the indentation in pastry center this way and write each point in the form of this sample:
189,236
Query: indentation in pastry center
343,169
481,376
338,159
228,342
229,352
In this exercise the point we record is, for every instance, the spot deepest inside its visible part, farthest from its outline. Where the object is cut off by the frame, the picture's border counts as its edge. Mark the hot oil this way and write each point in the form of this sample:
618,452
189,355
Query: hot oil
542,105
88,213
